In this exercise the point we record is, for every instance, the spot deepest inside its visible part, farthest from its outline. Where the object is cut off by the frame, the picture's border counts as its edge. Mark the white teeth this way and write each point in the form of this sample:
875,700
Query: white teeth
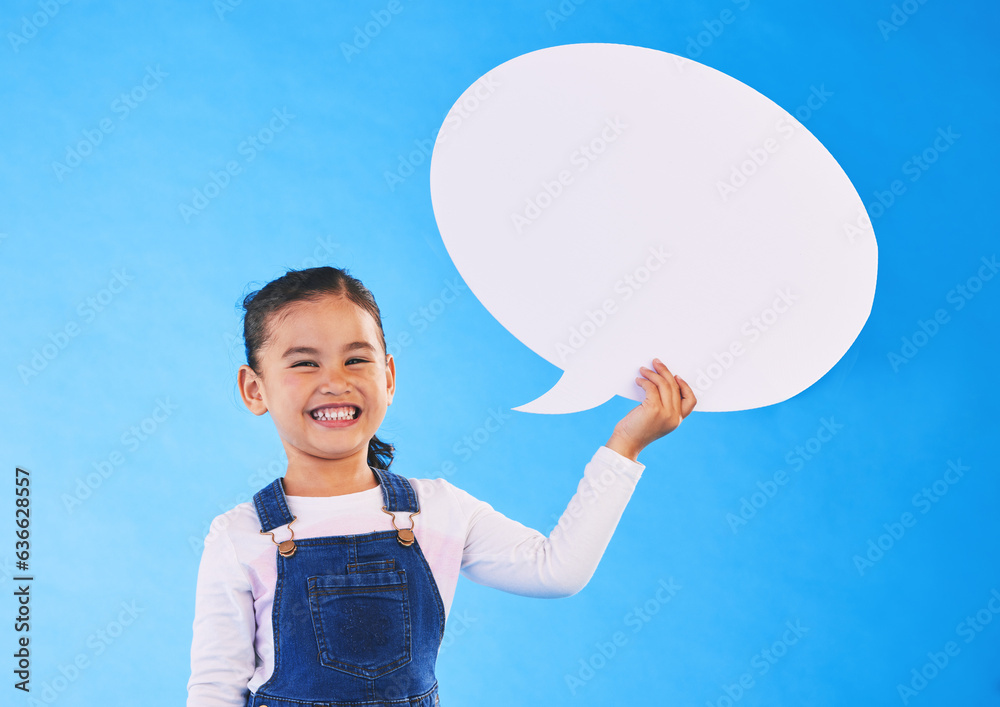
334,414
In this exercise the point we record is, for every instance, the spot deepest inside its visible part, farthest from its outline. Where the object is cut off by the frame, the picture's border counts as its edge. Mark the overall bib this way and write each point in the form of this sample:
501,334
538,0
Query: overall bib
358,619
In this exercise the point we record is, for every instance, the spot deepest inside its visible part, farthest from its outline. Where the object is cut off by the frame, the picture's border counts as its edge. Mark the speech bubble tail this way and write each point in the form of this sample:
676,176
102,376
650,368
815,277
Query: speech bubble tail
569,394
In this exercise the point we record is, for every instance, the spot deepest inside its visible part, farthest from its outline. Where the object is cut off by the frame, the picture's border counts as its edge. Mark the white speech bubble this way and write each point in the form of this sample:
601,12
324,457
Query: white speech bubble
610,203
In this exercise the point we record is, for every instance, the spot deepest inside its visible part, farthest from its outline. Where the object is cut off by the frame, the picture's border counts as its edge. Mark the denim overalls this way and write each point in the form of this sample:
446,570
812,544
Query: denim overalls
357,619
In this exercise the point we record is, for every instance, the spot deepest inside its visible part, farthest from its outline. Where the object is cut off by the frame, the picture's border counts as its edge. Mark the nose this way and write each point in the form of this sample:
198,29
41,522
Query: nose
335,381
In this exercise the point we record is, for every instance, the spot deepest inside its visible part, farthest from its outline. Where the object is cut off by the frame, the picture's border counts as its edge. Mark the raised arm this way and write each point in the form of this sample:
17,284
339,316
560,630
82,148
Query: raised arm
503,553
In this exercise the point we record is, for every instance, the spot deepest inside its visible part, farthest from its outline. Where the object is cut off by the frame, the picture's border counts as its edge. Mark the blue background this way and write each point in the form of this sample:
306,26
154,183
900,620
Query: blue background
319,194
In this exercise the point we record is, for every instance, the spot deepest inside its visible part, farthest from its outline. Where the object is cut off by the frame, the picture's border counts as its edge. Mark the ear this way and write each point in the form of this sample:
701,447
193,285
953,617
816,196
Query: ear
251,390
390,377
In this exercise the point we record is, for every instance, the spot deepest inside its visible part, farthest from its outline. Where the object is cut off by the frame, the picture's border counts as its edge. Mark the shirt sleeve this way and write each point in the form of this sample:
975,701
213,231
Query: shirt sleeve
505,554
222,651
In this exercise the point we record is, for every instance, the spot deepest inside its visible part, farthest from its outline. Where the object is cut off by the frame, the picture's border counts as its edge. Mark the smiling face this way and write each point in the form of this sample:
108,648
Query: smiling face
327,383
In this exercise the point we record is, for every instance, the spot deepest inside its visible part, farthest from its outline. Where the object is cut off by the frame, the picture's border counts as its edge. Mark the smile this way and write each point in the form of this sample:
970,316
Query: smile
336,414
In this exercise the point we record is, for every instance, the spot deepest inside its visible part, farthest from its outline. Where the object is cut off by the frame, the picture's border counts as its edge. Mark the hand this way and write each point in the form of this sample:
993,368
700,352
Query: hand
669,399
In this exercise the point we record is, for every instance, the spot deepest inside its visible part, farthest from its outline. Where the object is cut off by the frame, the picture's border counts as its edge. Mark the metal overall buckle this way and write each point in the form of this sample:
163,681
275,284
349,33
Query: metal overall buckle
403,535
286,548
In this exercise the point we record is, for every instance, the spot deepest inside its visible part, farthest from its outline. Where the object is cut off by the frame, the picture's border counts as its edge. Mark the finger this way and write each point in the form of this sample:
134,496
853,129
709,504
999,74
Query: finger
658,386
646,386
672,393
688,399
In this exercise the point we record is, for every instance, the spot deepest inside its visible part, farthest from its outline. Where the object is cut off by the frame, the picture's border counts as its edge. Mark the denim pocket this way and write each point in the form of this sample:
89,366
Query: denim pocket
361,621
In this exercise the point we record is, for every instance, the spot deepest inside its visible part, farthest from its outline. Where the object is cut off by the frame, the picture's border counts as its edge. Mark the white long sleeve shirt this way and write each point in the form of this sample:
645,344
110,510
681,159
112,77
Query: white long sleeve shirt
233,650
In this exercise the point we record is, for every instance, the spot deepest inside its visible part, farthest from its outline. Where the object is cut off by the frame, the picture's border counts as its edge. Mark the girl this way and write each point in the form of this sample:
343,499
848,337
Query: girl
332,587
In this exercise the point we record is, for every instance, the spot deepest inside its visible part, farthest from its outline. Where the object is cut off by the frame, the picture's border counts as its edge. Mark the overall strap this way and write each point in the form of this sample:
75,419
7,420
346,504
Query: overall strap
271,507
397,491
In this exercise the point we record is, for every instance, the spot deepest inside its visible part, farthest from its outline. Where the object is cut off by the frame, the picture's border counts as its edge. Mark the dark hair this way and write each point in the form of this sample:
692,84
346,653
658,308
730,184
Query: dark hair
267,306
